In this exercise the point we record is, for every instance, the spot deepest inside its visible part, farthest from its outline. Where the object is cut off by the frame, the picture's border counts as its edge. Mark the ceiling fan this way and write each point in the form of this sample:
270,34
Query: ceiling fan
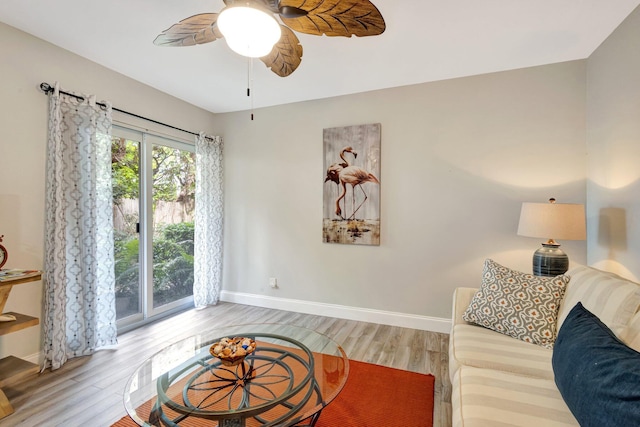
317,17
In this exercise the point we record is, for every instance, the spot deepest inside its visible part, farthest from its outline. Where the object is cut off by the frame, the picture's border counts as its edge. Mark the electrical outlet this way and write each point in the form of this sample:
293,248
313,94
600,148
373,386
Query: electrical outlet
273,282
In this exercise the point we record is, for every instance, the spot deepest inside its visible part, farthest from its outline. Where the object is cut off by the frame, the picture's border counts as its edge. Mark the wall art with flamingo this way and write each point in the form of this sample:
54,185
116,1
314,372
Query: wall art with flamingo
352,185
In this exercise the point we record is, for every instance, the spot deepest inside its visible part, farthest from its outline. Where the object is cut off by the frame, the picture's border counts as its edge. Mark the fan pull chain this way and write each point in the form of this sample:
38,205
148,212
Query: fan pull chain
250,83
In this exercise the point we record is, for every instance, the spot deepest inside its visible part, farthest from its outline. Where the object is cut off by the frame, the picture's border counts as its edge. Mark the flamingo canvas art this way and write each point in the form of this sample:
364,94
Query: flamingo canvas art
352,185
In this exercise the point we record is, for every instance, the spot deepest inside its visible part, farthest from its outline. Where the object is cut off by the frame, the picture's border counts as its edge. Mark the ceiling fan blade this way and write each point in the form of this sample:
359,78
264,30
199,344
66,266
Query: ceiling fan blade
197,29
286,55
291,12
335,17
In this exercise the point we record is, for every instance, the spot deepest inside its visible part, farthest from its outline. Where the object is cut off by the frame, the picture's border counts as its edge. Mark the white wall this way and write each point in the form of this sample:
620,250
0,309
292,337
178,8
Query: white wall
458,159
25,63
613,146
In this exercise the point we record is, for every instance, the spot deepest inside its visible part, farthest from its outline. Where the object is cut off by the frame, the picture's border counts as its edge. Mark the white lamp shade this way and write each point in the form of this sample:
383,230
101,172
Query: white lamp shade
563,221
249,31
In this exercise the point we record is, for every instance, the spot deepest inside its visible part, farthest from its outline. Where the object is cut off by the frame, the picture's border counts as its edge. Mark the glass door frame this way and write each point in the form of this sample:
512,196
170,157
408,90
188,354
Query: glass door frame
147,313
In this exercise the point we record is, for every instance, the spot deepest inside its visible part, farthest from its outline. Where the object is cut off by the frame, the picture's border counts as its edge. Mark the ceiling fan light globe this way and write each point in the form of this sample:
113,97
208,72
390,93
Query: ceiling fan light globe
249,31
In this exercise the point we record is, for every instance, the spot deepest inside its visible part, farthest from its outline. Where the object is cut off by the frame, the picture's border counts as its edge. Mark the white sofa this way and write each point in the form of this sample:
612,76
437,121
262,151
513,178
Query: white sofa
502,381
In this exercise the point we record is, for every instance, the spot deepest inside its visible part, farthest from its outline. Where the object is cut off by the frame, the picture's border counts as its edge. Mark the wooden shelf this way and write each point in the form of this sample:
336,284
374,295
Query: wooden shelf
29,277
7,284
22,321
13,370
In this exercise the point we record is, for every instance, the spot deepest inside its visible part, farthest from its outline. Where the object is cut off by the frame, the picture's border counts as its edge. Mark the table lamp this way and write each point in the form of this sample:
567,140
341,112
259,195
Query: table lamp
565,221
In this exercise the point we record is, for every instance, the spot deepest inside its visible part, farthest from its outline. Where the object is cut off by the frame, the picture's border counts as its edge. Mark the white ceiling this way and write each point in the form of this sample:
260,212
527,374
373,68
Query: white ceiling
425,40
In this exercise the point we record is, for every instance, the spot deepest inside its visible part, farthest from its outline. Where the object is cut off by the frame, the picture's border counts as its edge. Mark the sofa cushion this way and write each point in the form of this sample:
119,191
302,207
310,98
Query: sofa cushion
472,345
596,373
611,298
517,304
489,398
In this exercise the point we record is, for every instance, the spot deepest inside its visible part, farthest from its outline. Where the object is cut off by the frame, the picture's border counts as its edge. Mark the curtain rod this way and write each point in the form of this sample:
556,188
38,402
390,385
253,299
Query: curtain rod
47,89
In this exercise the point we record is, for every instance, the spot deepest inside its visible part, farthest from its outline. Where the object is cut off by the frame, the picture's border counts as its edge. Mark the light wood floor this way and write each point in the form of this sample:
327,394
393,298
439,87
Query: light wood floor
88,391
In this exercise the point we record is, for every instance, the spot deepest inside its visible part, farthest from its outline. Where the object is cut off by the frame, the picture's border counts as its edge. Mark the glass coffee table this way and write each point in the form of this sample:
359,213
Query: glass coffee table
291,376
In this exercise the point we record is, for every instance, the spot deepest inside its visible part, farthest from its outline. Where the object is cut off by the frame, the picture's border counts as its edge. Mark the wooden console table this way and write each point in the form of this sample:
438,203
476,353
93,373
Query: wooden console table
13,369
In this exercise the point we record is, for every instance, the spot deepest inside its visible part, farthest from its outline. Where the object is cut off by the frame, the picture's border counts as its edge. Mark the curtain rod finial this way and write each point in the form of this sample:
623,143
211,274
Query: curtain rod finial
45,87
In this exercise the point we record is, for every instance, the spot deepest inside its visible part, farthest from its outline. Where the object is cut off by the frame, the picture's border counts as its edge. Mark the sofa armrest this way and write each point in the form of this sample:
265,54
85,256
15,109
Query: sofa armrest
461,299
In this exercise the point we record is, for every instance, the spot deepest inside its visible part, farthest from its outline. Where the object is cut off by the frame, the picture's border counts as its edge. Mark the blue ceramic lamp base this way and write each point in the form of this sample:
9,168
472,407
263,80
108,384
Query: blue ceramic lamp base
550,260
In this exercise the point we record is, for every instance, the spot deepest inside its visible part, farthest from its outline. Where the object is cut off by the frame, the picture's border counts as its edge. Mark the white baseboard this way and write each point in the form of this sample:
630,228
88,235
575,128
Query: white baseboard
35,358
413,321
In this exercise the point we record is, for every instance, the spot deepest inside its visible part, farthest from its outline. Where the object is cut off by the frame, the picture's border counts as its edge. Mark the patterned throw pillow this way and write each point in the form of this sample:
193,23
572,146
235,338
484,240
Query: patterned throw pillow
517,304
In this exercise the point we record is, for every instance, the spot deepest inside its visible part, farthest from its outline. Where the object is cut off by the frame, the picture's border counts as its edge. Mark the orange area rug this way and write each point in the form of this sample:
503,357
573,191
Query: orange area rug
374,396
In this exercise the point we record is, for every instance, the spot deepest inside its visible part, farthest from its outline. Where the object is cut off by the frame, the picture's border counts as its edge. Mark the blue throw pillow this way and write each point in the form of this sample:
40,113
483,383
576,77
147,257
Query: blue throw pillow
596,373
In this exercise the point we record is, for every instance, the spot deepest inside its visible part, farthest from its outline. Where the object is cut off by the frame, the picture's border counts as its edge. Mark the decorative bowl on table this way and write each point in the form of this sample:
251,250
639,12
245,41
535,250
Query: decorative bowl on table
232,351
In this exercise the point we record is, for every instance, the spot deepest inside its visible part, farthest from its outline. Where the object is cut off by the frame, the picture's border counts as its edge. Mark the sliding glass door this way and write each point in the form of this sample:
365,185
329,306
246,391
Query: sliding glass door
153,197
125,166
173,191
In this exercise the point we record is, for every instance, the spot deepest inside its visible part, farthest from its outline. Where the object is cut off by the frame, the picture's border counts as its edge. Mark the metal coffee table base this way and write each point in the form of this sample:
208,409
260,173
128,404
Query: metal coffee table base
225,382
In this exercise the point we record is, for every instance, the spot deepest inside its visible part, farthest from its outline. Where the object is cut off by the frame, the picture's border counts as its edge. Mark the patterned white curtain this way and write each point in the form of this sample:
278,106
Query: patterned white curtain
79,300
208,221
